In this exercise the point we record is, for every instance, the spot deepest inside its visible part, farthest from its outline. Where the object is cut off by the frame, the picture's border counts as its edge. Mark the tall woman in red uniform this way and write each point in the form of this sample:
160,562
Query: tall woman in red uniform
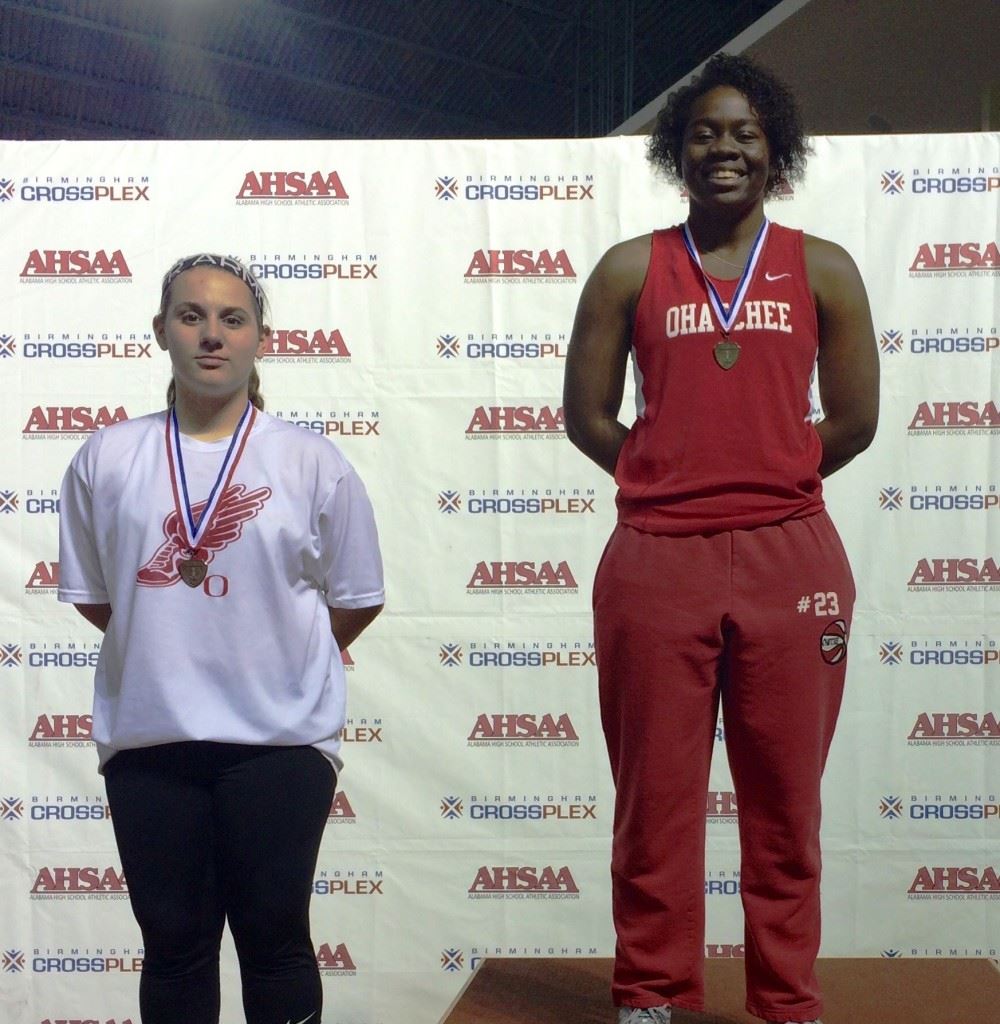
724,579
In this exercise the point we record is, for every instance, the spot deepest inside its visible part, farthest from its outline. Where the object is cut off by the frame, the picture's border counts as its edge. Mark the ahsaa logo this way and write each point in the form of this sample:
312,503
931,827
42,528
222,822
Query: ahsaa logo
91,881
949,257
956,882
341,812
955,574
44,578
335,960
522,577
955,726
518,882
325,186
520,264
55,730
955,417
306,345
516,421
720,807
76,263
725,951
70,420
521,729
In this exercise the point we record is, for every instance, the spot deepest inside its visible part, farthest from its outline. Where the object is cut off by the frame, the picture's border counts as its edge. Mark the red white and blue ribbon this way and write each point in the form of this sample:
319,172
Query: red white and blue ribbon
192,531
728,314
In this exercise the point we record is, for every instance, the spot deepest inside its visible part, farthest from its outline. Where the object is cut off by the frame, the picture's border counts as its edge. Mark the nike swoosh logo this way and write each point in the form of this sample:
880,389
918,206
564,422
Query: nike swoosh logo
304,1019
775,277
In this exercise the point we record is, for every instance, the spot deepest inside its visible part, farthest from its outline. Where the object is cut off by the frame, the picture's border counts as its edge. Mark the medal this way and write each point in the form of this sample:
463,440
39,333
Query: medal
726,352
193,571
194,568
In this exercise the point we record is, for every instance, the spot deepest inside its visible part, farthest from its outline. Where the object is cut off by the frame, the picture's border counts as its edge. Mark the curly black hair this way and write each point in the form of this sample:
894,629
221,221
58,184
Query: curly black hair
770,99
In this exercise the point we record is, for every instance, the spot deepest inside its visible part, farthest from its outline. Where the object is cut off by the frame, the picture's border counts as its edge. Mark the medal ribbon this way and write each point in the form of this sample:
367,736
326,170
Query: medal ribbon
191,531
727,315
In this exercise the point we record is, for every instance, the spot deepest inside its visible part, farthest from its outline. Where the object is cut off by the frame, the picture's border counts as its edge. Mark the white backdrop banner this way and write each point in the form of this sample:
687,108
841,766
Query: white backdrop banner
422,299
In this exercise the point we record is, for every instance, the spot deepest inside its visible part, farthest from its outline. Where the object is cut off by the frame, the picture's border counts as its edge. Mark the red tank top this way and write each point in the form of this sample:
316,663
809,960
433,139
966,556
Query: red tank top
715,449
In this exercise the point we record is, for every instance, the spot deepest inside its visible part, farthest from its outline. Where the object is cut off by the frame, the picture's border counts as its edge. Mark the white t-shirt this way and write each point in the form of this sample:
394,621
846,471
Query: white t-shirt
247,656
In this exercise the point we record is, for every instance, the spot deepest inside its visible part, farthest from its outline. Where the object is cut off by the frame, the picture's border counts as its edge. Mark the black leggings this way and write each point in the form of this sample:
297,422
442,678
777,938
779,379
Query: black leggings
215,831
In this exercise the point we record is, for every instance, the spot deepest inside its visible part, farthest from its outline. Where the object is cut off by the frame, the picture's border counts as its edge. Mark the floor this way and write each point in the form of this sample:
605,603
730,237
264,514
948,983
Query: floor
856,991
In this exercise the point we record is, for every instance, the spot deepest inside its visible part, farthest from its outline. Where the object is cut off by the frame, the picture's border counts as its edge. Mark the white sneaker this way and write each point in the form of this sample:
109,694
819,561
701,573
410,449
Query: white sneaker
646,1015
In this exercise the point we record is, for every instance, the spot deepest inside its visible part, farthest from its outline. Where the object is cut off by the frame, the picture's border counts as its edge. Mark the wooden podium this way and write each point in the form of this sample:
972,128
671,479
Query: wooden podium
856,991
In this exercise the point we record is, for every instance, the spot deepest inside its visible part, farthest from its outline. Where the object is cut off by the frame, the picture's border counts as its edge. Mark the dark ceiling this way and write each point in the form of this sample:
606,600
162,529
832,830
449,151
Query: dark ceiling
272,69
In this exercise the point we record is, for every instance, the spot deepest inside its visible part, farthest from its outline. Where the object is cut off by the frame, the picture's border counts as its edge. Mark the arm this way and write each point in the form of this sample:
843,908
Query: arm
81,575
351,561
348,624
848,357
598,352
98,615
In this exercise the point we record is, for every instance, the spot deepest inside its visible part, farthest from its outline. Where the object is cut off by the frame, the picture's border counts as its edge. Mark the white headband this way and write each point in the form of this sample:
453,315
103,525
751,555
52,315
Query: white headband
228,263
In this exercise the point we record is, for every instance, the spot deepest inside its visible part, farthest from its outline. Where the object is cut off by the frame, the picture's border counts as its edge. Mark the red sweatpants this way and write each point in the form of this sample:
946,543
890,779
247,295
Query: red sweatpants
759,619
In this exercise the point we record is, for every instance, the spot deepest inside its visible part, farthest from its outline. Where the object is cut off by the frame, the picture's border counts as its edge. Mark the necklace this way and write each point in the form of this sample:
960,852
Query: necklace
715,256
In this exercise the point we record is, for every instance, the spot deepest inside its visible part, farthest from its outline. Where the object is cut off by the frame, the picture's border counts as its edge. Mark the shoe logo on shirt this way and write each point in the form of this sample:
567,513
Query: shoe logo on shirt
774,277
304,1019
236,507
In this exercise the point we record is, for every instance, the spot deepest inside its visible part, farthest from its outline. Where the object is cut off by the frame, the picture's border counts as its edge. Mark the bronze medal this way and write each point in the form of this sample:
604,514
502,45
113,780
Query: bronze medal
190,532
726,353
193,571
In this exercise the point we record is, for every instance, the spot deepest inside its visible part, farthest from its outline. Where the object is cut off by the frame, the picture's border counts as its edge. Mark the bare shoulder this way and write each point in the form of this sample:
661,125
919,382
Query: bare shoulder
828,264
633,252
603,321
622,269
845,319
